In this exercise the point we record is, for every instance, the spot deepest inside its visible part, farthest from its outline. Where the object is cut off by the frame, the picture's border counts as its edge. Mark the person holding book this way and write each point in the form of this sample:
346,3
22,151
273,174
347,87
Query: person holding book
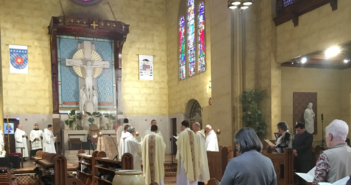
284,139
335,163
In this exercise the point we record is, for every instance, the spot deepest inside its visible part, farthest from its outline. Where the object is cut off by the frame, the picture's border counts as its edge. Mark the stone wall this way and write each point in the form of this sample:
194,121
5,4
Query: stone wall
31,93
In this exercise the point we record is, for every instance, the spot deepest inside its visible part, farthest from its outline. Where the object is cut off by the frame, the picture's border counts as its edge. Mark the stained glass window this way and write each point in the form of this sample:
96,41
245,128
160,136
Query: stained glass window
182,48
201,32
191,37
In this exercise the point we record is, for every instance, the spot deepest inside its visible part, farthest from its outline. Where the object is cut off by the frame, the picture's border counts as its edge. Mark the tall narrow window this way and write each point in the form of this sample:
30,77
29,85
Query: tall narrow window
191,37
201,32
182,48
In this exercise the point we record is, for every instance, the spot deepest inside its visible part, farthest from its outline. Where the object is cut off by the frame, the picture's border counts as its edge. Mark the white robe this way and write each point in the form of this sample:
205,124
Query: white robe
133,147
21,142
36,144
48,142
148,131
119,133
122,148
2,144
203,166
212,142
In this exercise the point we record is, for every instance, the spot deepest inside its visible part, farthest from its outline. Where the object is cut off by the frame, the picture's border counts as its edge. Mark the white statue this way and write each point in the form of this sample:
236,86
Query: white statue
309,118
86,61
82,99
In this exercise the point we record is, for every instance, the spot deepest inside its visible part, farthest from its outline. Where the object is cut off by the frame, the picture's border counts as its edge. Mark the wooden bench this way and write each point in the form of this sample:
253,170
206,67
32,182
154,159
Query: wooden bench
58,164
89,160
217,162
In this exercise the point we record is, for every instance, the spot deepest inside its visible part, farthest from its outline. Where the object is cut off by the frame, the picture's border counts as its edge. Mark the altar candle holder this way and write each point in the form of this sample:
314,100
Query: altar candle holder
218,133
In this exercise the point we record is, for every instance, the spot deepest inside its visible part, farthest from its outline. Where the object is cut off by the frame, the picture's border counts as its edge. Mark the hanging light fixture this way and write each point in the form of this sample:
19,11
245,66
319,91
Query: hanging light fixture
242,4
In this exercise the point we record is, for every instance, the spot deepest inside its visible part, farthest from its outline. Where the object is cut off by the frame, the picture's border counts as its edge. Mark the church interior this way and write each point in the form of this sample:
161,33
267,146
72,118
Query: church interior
79,71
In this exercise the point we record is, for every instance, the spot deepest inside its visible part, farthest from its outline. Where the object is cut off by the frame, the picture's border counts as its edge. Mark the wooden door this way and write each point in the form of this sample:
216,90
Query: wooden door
174,133
11,136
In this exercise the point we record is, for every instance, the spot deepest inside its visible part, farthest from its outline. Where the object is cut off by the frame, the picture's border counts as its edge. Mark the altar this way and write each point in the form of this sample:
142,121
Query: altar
81,134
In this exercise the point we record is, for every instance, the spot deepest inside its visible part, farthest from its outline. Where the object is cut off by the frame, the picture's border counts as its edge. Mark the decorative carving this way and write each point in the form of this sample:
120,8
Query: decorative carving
94,25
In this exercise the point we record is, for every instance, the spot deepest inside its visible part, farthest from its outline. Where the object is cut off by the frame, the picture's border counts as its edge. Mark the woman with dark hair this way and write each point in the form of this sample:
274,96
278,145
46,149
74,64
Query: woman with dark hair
284,139
251,167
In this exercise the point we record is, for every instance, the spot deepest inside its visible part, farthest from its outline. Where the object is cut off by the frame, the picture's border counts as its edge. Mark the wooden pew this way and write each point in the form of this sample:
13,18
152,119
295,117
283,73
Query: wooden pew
283,166
89,160
58,164
6,178
217,162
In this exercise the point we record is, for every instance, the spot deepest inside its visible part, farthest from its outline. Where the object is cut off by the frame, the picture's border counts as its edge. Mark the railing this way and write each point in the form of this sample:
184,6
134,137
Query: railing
291,9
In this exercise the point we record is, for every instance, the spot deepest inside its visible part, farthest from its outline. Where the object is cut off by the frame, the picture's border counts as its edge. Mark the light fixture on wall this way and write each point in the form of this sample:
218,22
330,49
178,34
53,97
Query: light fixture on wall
240,4
332,51
303,60
346,61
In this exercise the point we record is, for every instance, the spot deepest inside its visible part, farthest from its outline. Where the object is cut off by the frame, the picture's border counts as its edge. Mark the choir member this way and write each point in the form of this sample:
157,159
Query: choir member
211,139
21,141
49,140
35,138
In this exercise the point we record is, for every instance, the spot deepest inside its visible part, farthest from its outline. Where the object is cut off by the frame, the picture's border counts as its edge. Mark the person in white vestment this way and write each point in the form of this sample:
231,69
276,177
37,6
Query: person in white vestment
203,165
121,147
2,144
21,141
35,137
119,132
148,131
153,154
211,139
133,146
187,156
49,140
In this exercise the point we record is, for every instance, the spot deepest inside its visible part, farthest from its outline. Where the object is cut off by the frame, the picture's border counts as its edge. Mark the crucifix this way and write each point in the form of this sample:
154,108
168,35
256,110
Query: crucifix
87,65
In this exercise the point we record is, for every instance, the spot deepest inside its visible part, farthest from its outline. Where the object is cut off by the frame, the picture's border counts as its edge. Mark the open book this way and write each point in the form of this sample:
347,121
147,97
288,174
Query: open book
269,142
339,182
308,177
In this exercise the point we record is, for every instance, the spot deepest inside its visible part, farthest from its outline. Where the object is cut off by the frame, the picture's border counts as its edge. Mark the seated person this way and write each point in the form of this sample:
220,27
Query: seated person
284,138
334,163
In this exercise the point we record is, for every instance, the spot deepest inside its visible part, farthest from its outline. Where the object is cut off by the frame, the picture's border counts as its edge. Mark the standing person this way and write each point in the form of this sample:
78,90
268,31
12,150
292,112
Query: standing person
284,138
148,131
335,163
211,139
125,134
49,140
251,167
21,141
35,137
153,154
187,156
203,165
302,150
119,132
133,146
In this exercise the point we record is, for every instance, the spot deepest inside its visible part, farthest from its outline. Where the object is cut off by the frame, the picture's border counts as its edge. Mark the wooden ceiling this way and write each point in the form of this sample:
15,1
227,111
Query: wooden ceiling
319,60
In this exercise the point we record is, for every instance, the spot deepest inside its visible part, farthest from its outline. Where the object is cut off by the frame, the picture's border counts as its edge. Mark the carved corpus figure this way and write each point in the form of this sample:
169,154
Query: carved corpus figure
309,118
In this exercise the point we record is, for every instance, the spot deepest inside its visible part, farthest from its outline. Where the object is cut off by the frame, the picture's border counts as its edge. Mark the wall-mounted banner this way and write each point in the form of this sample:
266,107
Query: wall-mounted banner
146,67
18,59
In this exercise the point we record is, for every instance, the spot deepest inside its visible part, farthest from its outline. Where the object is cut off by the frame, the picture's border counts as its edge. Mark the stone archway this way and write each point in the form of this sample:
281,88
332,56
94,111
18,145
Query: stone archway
193,112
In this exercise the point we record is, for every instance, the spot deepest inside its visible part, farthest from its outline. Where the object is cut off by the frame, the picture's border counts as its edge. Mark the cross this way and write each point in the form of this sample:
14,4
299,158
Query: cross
88,66
94,25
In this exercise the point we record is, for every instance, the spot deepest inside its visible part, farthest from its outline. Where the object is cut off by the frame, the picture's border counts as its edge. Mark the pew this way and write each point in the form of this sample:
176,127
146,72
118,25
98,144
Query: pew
217,162
283,165
87,160
54,169
6,178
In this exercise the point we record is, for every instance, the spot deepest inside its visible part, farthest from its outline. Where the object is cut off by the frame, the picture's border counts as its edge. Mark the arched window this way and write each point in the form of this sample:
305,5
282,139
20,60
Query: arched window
192,19
201,40
182,58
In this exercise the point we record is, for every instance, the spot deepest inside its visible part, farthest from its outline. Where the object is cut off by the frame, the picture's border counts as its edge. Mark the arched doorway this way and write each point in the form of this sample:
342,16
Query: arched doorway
193,112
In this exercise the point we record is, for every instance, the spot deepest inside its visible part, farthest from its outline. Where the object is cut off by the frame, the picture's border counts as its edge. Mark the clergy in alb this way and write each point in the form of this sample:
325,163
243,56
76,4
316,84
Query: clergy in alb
119,133
35,138
21,141
49,140
203,165
133,146
211,139
125,134
148,131
2,152
187,156
153,154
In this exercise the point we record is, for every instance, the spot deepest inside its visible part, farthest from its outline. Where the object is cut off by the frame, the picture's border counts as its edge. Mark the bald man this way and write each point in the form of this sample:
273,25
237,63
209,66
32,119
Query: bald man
211,139
21,141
